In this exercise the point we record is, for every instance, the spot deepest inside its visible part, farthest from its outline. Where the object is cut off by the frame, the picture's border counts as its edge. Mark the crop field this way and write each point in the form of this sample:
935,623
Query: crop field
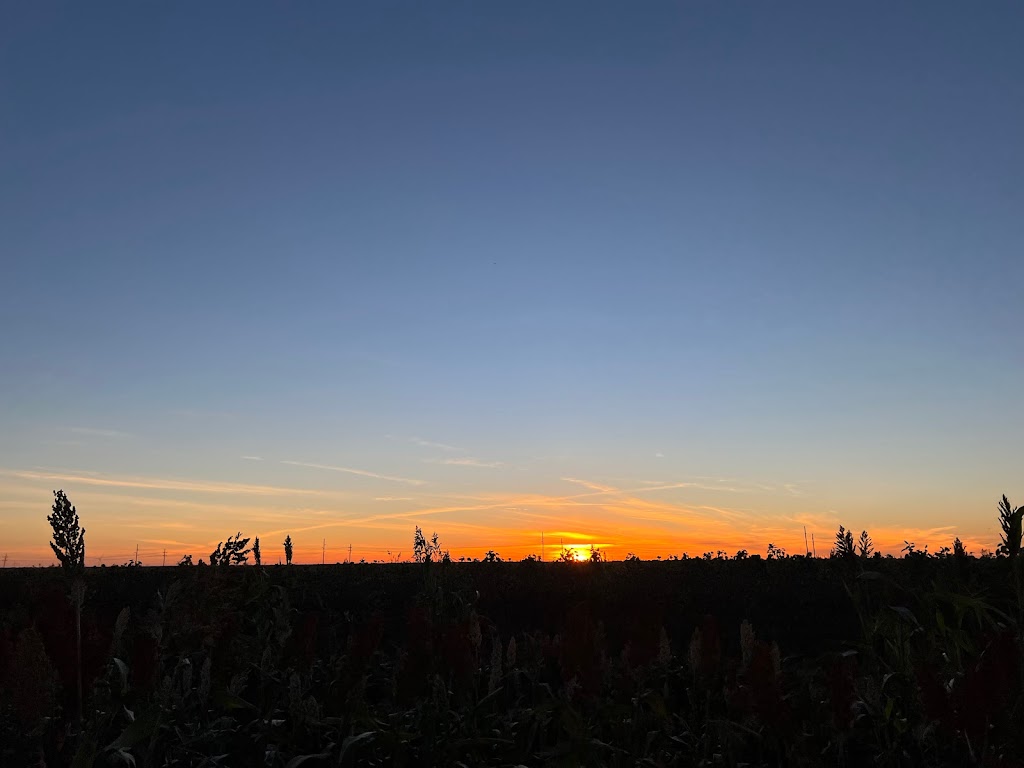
794,661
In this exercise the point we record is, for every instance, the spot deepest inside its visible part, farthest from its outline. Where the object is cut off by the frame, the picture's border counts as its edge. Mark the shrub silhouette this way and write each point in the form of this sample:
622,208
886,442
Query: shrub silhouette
288,549
1010,522
68,538
844,544
256,552
864,545
424,551
231,552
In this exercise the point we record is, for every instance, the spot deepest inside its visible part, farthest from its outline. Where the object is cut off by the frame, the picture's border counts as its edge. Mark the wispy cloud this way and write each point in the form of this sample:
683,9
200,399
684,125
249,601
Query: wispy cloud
468,461
163,484
431,444
651,486
90,432
591,485
169,542
351,471
253,458
422,443
393,498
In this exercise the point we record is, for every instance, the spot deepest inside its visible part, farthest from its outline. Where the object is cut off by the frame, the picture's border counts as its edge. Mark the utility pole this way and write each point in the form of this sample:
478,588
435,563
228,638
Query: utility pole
813,549
350,553
5,559
542,546
806,550
136,554
323,552
165,559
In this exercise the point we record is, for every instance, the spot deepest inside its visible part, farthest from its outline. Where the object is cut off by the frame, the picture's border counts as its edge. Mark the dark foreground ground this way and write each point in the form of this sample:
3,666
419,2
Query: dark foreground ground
793,662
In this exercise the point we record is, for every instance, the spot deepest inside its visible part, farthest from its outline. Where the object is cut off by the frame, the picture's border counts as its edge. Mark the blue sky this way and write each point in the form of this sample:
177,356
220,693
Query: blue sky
618,243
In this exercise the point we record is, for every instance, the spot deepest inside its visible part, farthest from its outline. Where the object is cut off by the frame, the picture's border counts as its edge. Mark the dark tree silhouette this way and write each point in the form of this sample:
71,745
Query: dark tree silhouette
864,545
68,538
1010,521
256,551
231,552
186,560
288,549
844,544
959,550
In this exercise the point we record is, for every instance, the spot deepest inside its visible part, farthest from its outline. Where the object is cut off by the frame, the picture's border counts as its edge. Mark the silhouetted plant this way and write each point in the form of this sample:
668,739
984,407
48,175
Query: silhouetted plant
959,550
776,553
595,555
234,551
256,552
1010,520
844,544
864,545
741,555
186,560
419,546
631,558
424,551
69,546
288,550
566,556
68,538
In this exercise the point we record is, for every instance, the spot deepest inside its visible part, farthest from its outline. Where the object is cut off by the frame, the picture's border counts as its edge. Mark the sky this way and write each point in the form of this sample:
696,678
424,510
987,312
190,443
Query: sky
657,277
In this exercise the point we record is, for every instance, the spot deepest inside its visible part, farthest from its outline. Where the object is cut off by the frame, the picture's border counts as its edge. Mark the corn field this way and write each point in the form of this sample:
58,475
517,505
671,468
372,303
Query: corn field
789,662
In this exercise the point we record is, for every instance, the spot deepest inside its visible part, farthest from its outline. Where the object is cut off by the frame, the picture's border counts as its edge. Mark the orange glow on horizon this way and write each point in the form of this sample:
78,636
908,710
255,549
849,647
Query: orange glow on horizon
169,518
